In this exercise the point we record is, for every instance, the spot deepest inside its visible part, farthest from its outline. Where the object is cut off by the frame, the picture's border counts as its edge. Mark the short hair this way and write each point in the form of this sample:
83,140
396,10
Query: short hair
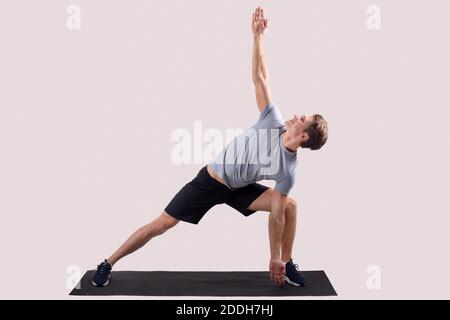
317,132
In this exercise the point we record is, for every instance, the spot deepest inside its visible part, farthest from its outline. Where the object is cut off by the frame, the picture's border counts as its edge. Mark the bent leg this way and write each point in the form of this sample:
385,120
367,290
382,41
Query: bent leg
143,235
287,241
263,203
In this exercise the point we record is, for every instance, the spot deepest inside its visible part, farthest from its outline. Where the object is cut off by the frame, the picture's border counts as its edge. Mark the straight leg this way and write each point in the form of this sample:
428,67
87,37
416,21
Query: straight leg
143,235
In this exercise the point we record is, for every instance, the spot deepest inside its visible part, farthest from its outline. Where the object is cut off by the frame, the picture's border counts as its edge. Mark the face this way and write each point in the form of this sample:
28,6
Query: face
297,125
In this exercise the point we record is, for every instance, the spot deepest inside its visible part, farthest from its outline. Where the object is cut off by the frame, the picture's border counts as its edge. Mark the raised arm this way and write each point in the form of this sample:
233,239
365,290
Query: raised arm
260,74
276,227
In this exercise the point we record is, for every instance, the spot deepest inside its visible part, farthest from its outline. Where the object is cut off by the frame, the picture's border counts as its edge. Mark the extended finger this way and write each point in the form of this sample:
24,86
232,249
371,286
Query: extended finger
280,279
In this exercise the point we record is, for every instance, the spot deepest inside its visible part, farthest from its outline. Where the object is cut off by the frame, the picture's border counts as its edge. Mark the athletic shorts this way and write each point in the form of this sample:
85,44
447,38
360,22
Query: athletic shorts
203,192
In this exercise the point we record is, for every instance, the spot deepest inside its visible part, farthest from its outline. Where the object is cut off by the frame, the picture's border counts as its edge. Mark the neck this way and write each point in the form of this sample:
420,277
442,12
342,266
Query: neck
289,142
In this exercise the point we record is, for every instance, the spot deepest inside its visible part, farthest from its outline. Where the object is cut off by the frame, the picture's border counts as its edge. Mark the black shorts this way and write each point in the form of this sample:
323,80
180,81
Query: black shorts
203,192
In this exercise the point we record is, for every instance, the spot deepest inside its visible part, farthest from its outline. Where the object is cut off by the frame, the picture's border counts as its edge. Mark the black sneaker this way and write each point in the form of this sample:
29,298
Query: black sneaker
293,276
102,275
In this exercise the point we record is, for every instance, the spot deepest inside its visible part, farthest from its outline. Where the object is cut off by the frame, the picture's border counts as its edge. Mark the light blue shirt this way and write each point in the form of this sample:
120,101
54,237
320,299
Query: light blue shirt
258,154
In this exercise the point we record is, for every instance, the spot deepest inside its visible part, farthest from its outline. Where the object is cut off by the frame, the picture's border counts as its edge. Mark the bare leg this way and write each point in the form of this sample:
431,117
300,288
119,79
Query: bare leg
143,235
262,203
287,240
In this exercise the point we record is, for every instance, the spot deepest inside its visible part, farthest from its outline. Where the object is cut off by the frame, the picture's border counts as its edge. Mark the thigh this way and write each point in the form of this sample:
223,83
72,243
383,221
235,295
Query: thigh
242,199
167,220
262,203
192,202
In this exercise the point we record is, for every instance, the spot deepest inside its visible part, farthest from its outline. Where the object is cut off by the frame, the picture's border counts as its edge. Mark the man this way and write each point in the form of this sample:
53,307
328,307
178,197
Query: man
231,177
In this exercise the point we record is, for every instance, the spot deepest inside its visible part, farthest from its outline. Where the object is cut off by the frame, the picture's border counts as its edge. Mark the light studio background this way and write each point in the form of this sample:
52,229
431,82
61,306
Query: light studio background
87,117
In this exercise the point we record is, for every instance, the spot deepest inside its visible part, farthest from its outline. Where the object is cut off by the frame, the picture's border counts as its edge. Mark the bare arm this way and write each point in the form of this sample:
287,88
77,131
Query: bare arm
276,227
259,67
260,74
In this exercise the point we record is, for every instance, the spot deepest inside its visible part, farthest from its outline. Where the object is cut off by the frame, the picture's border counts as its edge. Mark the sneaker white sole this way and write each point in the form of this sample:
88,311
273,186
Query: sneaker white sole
291,282
104,285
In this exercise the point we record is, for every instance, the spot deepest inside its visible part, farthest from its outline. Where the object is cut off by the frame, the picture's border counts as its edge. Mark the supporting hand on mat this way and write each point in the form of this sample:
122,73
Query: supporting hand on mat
276,269
259,24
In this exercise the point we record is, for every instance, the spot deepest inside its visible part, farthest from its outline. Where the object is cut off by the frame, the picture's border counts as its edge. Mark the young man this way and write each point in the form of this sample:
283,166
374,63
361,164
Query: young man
231,177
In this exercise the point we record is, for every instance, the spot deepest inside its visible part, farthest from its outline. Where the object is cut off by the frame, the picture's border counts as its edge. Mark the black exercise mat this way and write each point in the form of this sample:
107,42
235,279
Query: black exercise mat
202,283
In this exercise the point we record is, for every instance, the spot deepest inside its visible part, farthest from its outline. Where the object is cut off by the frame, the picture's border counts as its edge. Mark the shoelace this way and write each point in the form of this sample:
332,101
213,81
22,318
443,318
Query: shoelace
101,268
296,267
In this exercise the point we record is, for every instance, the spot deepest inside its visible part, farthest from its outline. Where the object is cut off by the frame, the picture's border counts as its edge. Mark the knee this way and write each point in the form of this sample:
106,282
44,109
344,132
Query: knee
165,222
291,206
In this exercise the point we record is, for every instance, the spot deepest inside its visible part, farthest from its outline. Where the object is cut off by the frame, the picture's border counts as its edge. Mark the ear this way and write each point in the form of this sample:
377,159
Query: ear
304,137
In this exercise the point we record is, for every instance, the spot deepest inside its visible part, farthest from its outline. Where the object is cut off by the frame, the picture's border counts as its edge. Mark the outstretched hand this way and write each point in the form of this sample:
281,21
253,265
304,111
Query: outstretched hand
277,271
259,24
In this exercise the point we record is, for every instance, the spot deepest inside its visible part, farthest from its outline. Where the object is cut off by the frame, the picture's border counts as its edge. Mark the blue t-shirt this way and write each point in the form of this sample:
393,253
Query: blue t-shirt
258,154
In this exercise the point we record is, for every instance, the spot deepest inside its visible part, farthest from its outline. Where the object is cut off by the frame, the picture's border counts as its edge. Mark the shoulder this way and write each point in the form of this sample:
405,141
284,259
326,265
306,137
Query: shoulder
270,110
270,117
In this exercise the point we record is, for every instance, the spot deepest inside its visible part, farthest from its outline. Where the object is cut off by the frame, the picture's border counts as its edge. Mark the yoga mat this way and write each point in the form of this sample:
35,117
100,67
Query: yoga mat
202,283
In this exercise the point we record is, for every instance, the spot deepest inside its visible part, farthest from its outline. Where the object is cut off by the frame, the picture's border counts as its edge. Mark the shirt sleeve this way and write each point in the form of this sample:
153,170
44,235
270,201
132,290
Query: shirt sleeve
270,117
285,184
